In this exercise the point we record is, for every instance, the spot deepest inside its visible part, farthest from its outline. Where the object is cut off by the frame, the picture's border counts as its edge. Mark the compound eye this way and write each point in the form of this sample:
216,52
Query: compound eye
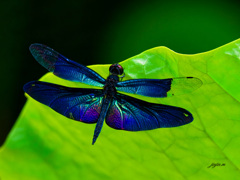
116,69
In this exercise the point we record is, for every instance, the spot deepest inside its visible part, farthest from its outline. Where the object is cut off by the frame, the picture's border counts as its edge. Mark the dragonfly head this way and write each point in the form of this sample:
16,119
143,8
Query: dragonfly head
116,69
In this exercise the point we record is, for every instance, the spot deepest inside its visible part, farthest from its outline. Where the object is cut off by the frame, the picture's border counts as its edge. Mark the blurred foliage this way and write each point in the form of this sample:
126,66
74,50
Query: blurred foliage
45,145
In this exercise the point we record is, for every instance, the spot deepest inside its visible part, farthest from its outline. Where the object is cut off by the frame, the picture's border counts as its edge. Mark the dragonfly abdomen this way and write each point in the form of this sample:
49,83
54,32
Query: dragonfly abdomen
105,105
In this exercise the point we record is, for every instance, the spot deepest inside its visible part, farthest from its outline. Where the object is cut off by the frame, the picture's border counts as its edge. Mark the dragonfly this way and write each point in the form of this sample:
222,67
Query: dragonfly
120,111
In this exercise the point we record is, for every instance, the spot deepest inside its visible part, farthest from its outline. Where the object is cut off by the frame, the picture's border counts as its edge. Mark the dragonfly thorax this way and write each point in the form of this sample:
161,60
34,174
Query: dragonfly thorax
113,79
109,88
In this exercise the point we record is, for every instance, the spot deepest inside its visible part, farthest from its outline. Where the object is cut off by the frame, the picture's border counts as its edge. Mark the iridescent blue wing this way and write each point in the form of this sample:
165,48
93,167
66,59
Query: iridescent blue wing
131,114
76,103
63,67
159,87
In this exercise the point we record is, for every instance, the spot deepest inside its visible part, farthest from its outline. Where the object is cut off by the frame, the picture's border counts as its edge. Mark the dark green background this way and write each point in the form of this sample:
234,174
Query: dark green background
102,32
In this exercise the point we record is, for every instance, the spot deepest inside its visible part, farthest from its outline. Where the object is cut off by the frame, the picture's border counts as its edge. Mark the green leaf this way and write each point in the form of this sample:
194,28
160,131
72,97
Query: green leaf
45,145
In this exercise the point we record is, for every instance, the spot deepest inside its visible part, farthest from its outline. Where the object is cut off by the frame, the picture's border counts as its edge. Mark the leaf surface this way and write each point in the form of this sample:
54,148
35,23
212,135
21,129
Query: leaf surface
45,145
